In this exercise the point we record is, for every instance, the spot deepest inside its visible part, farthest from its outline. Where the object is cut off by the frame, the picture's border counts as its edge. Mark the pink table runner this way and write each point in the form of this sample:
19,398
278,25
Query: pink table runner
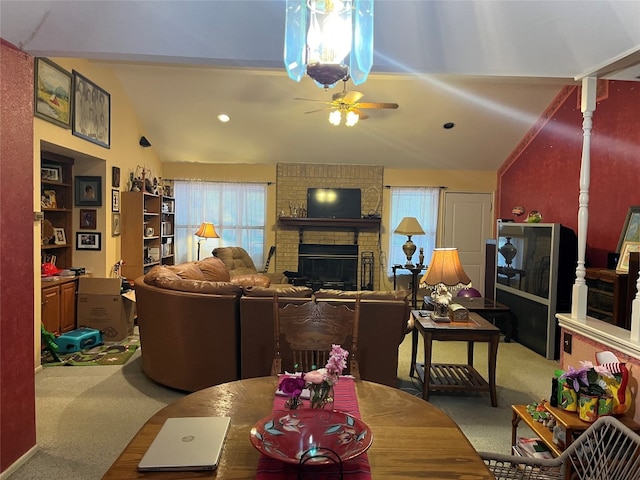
358,468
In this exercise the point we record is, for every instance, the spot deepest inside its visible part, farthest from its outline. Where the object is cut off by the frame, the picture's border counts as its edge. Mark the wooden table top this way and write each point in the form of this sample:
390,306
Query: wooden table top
475,324
474,304
411,437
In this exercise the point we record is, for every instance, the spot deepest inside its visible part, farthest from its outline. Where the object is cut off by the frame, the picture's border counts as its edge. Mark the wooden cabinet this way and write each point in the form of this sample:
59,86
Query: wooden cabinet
56,196
59,305
147,229
607,296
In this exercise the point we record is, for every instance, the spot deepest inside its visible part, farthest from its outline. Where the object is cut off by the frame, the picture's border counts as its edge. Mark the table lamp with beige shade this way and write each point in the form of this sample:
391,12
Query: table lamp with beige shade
445,274
409,226
206,230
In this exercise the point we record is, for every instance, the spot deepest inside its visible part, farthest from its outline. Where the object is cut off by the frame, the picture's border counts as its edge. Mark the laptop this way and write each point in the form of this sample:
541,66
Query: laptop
186,443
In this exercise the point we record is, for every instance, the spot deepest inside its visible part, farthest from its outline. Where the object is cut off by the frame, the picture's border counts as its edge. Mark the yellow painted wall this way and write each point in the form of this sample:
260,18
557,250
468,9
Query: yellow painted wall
453,180
125,152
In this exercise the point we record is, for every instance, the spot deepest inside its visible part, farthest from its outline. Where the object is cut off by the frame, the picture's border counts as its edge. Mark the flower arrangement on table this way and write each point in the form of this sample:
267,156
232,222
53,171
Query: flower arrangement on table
592,390
320,382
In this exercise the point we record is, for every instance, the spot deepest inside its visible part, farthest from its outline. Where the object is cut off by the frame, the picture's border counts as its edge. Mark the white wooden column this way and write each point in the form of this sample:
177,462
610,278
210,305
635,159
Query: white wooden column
587,106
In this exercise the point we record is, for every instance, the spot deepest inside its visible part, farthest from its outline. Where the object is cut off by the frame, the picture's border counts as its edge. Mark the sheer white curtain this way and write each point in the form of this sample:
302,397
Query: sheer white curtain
421,203
237,210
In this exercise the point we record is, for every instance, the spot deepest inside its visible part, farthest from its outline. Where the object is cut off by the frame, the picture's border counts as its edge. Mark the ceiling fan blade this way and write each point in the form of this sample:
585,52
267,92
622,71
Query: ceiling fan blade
352,97
311,100
360,113
376,105
319,110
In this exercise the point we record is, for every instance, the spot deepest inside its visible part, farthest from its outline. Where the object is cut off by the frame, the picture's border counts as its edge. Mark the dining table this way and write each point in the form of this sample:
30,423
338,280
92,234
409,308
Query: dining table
411,437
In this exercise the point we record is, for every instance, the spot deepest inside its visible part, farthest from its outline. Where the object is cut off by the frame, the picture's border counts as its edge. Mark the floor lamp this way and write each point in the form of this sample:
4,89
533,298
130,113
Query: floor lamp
206,230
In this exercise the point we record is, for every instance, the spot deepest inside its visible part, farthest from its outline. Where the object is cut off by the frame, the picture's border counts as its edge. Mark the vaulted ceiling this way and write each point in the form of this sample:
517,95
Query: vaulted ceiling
489,67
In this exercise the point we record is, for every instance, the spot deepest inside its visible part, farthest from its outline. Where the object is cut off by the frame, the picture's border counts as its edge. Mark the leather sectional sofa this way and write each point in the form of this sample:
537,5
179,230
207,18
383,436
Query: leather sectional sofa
199,327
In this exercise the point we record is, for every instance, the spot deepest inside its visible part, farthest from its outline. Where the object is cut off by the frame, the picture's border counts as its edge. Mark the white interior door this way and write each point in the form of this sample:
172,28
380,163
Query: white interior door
467,225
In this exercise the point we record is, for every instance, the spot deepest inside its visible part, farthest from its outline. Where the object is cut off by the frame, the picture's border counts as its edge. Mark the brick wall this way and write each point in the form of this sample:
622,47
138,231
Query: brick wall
293,179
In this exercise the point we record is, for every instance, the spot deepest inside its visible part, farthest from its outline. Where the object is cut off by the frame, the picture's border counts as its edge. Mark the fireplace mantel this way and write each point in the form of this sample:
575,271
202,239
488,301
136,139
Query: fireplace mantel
355,224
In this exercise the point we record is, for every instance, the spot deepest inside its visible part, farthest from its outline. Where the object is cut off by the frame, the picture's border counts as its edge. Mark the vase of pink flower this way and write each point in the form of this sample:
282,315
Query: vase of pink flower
320,382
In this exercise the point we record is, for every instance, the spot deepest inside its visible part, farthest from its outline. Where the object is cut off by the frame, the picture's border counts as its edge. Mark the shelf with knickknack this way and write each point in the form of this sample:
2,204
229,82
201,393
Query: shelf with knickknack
167,230
140,226
56,203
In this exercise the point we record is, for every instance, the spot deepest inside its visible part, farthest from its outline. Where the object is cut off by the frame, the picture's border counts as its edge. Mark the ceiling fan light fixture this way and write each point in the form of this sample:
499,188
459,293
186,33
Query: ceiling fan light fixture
320,35
352,119
335,117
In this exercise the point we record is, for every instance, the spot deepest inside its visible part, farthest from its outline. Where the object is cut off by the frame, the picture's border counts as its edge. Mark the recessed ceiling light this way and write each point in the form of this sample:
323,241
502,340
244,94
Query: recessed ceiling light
449,125
223,117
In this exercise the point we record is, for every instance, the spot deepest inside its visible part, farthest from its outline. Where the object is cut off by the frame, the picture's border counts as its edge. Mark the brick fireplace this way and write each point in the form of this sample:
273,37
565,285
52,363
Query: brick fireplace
293,180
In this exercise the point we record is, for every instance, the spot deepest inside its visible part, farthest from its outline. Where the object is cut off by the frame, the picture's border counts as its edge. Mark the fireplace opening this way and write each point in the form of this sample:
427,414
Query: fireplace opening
329,266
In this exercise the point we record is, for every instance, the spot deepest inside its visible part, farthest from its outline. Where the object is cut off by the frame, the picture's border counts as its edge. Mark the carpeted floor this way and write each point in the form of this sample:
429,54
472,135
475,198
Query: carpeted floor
522,377
110,353
86,416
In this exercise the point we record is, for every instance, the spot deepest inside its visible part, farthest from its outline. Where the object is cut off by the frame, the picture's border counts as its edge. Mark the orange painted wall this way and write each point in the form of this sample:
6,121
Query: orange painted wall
17,384
545,176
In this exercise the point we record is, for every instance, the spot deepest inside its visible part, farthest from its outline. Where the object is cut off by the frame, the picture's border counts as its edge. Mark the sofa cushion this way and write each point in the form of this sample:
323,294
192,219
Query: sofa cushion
188,270
214,270
364,294
236,259
157,272
199,286
289,291
256,279
169,277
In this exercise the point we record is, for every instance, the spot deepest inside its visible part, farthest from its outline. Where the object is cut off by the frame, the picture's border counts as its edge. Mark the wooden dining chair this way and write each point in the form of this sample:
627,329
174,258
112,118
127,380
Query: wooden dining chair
303,335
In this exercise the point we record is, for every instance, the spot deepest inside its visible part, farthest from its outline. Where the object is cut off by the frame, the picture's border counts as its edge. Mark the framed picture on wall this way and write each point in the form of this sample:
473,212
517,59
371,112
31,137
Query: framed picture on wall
88,241
631,230
115,177
115,200
115,224
88,191
88,219
53,93
91,111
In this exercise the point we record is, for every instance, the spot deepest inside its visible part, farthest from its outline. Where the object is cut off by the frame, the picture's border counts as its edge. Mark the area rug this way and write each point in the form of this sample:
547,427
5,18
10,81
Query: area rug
111,353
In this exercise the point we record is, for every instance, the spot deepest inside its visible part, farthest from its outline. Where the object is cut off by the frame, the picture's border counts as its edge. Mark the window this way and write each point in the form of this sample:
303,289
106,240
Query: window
421,203
237,210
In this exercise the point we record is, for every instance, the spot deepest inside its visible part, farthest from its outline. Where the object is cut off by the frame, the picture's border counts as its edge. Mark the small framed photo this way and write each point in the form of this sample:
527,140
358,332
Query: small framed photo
88,241
623,261
115,224
53,93
48,199
60,237
88,219
91,111
88,191
51,173
115,200
115,177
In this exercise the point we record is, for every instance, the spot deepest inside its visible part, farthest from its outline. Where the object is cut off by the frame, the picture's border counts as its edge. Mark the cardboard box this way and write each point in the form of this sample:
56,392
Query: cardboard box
101,306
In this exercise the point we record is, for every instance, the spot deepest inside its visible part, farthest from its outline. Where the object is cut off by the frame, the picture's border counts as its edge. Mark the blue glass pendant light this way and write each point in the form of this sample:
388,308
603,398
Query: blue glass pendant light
329,40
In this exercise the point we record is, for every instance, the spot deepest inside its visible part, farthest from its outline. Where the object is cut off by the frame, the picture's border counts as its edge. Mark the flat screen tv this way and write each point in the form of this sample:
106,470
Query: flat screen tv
333,203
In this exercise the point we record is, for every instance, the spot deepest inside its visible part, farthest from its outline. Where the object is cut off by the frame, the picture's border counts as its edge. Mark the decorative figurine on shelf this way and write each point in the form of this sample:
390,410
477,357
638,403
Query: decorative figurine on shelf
421,258
534,217
518,211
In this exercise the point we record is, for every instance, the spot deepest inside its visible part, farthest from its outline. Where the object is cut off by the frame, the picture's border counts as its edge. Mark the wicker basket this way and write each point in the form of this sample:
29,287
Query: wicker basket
607,450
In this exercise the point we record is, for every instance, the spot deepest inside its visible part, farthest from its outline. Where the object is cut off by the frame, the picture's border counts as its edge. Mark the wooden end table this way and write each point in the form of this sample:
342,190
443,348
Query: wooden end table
455,377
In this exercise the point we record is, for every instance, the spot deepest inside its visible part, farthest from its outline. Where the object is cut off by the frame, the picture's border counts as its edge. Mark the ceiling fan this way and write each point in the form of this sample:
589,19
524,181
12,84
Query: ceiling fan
349,104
